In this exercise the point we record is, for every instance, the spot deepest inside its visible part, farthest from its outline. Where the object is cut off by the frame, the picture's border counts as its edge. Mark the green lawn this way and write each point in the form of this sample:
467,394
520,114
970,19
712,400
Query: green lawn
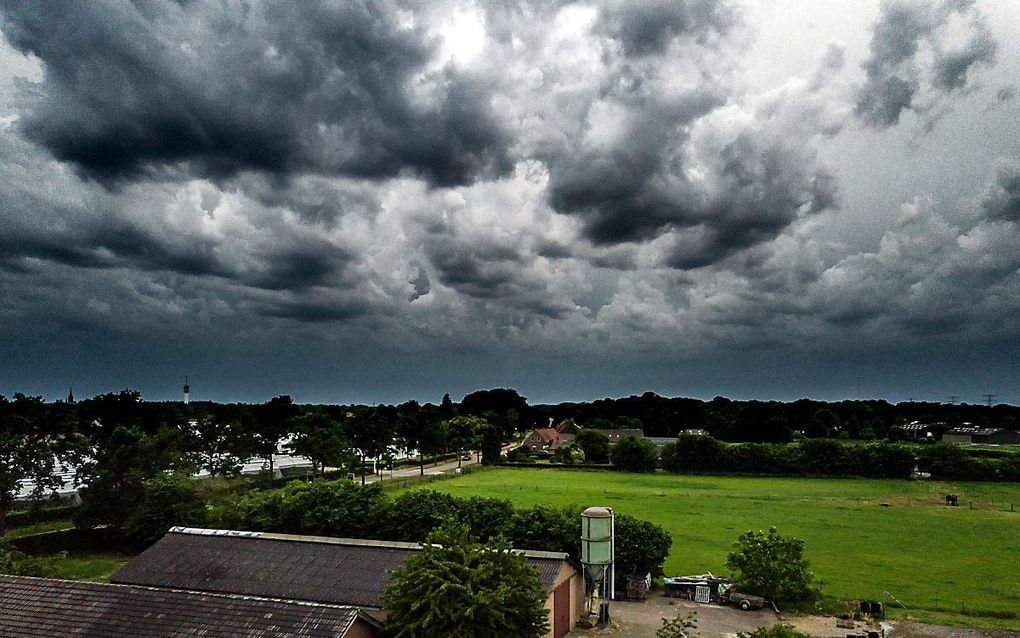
864,537
95,566
37,528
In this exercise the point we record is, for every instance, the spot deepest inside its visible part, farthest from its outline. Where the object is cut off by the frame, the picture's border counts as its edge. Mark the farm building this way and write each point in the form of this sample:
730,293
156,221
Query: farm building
333,571
995,436
44,608
659,441
615,435
918,430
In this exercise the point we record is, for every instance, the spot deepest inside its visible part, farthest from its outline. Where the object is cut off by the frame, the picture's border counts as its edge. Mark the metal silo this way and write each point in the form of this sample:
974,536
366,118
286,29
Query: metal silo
597,555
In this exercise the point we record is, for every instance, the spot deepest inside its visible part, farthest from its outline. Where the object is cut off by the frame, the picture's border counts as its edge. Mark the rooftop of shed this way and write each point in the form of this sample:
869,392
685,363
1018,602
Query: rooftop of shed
44,608
340,571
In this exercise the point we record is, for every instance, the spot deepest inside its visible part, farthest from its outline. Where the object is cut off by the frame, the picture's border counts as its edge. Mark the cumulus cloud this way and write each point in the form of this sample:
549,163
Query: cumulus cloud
1002,200
339,89
563,178
913,64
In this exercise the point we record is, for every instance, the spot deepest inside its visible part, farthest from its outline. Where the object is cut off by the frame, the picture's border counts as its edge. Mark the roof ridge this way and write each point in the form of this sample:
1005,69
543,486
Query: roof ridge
197,592
334,540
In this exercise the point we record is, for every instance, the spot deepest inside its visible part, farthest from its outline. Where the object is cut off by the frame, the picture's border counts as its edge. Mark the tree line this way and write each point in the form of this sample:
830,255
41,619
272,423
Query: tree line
833,458
117,440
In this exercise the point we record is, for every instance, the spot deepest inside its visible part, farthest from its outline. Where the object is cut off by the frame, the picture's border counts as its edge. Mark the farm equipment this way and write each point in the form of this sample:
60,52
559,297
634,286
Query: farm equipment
746,602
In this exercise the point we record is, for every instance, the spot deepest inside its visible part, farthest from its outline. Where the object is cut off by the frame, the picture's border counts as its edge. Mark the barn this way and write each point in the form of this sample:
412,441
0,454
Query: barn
334,571
993,436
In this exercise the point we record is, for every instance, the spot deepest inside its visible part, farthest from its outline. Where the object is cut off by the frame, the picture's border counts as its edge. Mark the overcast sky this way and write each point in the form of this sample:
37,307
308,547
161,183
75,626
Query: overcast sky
382,200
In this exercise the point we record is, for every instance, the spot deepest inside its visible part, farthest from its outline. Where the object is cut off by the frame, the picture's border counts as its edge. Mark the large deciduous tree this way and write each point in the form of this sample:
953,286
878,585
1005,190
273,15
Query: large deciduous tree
772,565
269,425
320,437
460,588
594,443
34,440
371,431
632,454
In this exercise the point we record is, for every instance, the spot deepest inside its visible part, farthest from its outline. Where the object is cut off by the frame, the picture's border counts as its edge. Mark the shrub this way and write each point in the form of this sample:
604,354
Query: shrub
772,566
456,586
330,508
15,563
632,454
167,500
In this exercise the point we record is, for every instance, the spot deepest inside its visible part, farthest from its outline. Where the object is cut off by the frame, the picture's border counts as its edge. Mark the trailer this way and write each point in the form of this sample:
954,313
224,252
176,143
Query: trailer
747,602
702,588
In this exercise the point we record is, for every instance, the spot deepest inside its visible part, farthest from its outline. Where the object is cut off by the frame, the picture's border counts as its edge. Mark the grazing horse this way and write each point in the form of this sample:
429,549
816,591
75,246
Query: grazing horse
952,500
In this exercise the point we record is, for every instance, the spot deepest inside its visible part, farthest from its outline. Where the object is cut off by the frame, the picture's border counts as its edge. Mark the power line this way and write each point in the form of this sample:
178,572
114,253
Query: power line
990,397
953,399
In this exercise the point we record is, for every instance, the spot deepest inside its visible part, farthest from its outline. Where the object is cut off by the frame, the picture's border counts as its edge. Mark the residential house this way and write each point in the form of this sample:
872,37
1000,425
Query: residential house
542,439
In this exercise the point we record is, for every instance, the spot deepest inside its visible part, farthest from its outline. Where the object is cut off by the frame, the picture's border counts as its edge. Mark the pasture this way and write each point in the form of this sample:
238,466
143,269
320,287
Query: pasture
863,537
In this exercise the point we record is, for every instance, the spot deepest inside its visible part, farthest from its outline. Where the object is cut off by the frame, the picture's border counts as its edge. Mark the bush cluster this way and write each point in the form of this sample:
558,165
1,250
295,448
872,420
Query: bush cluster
347,510
952,462
811,457
831,457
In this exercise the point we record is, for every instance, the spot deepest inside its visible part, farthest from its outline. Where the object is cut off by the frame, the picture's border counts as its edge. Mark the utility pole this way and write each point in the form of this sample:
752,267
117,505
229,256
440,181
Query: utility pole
989,397
953,399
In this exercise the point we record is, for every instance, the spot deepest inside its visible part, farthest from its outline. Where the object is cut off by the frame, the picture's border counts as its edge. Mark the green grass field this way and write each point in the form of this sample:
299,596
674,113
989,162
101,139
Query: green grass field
936,560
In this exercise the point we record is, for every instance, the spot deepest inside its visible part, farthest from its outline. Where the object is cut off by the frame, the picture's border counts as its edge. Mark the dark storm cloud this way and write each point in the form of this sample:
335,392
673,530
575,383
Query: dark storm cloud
1002,201
484,271
894,77
311,263
334,88
113,243
316,311
644,28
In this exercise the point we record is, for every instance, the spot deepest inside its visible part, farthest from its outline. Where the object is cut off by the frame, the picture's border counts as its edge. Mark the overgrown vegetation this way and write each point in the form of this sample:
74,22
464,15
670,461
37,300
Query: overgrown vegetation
772,566
457,586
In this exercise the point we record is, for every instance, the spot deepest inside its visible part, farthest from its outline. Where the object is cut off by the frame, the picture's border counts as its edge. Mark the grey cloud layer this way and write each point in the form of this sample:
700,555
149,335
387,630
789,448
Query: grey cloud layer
896,69
585,177
337,88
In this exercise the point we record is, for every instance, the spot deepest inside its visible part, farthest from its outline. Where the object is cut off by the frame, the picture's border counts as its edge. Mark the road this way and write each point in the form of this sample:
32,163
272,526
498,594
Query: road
430,469
413,470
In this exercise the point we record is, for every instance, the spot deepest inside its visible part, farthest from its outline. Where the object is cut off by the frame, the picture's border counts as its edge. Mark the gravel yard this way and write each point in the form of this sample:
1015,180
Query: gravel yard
641,620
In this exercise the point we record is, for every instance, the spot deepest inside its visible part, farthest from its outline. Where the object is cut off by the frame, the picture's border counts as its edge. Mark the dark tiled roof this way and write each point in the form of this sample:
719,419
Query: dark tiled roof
324,570
46,608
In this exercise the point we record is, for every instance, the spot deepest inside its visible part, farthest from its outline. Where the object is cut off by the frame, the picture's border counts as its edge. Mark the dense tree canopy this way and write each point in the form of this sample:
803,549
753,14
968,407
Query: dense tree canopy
457,587
772,566
632,454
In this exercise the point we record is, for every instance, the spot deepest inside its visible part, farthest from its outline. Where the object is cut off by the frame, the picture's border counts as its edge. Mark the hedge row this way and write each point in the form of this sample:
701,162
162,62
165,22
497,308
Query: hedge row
831,457
31,516
344,509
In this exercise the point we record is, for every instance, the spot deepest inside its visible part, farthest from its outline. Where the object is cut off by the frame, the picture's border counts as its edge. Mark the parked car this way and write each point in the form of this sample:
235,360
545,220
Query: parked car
466,457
